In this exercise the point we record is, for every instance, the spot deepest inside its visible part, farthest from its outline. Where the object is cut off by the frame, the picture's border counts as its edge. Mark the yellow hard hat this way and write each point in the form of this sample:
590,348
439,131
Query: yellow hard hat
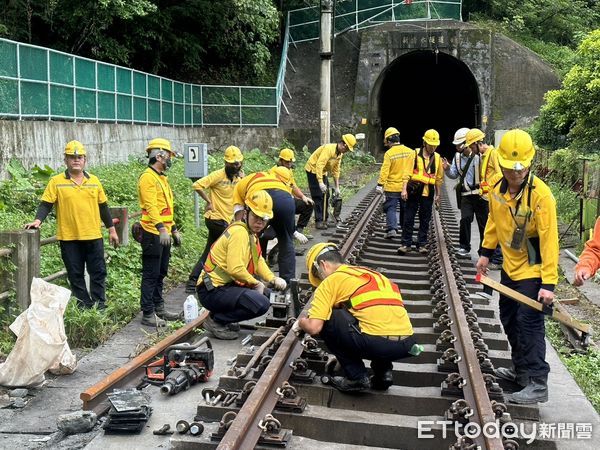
75,148
261,204
233,154
349,140
160,144
474,135
287,155
390,132
432,137
311,257
516,150
283,174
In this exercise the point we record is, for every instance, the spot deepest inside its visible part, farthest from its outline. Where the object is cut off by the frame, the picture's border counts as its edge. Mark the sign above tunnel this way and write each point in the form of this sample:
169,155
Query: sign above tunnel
420,40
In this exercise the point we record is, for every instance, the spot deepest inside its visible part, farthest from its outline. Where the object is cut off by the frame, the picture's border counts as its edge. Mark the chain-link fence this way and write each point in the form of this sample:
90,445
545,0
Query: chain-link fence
359,14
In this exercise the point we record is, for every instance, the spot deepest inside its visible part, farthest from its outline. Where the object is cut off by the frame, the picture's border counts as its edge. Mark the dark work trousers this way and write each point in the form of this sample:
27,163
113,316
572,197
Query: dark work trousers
524,328
350,346
304,211
155,264
318,196
424,205
472,205
265,237
215,229
391,214
284,216
79,255
232,303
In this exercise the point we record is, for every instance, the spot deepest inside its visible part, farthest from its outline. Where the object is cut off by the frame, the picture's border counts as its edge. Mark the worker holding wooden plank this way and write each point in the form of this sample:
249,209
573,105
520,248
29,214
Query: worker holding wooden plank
523,221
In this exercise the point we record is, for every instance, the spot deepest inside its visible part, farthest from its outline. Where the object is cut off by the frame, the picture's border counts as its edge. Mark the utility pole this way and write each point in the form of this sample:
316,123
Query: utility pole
326,54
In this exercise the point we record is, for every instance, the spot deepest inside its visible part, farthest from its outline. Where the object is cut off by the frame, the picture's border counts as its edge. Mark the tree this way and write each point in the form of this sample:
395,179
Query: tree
571,115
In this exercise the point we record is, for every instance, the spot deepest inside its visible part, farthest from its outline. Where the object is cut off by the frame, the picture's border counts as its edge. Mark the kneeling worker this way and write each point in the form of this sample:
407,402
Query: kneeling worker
228,286
359,314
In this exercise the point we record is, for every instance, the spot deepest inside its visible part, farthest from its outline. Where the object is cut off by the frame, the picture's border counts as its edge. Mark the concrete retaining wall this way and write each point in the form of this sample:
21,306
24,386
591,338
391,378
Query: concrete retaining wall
42,142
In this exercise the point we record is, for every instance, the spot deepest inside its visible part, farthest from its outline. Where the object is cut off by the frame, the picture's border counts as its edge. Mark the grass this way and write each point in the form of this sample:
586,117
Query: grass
585,368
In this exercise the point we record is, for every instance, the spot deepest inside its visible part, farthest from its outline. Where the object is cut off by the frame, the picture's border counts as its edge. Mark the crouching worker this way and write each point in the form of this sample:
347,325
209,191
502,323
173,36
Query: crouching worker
230,285
359,314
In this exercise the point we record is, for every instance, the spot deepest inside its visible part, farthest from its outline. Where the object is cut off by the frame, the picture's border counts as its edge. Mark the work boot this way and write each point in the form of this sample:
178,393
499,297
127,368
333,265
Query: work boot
167,315
321,226
190,287
423,250
382,381
535,392
218,330
101,306
403,250
344,384
151,320
331,222
462,252
390,234
509,374
234,326
272,255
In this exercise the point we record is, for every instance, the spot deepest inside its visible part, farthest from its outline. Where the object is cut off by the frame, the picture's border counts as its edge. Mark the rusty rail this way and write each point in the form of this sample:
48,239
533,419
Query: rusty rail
474,390
244,432
130,374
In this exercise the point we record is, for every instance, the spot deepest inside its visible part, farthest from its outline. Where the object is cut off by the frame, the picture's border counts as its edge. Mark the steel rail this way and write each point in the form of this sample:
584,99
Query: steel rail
475,392
244,432
129,375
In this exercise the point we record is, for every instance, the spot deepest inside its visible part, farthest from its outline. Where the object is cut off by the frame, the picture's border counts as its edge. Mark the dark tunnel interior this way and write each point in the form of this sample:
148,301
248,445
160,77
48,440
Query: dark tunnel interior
423,90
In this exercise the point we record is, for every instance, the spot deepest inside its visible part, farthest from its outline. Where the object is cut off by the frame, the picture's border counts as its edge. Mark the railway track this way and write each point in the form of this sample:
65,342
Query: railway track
272,394
445,398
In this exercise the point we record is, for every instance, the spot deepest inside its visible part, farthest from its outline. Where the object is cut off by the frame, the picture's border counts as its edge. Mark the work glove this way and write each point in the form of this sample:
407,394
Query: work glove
259,287
301,238
279,284
323,187
379,189
299,332
307,200
176,238
336,191
164,238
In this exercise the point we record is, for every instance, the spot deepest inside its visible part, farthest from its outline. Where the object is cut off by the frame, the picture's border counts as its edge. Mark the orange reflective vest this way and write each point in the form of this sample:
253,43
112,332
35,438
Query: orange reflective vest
255,252
376,290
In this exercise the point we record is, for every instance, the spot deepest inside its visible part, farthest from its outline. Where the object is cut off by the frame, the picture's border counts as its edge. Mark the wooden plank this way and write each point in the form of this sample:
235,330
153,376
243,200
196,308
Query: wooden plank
557,312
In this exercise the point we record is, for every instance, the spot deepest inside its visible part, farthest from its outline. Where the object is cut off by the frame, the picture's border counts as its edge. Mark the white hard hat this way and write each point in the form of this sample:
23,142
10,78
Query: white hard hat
460,136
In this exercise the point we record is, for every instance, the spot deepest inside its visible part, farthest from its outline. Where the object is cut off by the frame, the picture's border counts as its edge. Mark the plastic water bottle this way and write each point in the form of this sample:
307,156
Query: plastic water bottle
190,309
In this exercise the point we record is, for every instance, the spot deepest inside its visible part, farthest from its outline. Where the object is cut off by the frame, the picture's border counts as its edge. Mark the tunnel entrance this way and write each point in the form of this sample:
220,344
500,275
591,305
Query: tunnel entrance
422,90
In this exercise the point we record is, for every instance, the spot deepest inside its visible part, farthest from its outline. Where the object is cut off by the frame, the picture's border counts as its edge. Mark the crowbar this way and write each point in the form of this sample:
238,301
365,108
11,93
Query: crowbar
556,312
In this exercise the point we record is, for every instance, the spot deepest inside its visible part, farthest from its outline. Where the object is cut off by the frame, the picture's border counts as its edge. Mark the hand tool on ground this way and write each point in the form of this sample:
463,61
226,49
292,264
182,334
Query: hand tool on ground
181,366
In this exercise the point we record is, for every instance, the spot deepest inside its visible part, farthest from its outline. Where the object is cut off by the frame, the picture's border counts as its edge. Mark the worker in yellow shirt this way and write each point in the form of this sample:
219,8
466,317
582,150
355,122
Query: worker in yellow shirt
283,212
423,189
159,231
218,211
304,204
232,284
523,221
80,206
325,160
359,314
395,172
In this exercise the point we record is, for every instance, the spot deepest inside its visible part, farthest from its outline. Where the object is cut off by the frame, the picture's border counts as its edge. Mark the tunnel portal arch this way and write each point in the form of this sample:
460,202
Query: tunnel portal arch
421,90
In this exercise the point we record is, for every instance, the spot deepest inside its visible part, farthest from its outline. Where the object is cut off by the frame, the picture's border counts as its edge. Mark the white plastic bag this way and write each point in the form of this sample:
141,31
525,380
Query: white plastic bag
41,340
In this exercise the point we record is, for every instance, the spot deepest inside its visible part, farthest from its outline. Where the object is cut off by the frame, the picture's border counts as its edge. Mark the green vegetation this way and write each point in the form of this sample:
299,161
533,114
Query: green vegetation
201,41
583,367
87,328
